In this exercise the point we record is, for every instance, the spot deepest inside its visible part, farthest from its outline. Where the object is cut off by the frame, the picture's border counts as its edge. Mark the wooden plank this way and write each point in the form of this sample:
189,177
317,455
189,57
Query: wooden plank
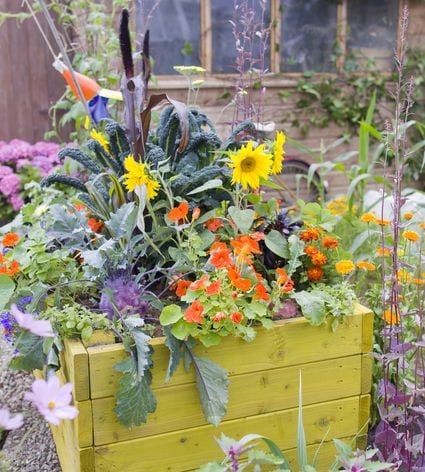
76,368
364,413
249,395
367,330
291,342
196,446
366,381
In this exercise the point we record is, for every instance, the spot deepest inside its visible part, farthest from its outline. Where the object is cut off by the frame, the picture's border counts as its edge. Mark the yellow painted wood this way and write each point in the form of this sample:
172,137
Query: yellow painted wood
290,342
249,394
364,413
100,337
188,449
367,365
368,317
74,360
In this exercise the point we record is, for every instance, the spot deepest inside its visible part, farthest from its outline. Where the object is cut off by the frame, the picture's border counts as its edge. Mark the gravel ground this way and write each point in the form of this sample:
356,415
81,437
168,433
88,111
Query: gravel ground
30,448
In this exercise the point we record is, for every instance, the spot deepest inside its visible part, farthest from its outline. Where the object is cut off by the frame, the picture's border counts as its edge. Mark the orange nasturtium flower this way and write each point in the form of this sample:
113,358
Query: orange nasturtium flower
344,266
391,316
199,284
95,225
213,224
261,292
237,280
285,282
236,317
178,213
182,286
410,235
10,239
213,288
314,273
366,265
194,313
221,258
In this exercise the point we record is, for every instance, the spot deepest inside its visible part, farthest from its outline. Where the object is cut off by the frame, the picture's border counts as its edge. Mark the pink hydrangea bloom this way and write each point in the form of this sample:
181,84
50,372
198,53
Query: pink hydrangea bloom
52,400
9,422
4,170
27,321
9,184
16,201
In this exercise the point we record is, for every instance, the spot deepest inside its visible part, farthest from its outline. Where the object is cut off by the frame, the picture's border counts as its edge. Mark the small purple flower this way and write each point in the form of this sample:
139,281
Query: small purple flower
27,321
9,422
6,321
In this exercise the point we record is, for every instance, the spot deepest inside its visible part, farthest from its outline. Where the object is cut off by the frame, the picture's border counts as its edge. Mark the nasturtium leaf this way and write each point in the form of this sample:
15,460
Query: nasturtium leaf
212,385
277,244
210,339
31,355
312,306
170,314
7,287
180,330
242,218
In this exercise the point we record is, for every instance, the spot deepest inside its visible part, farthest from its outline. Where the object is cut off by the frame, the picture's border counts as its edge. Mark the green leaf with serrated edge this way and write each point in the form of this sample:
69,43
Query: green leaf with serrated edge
144,352
312,307
296,250
175,346
7,288
123,222
242,218
256,456
134,398
31,355
212,382
170,314
277,244
214,183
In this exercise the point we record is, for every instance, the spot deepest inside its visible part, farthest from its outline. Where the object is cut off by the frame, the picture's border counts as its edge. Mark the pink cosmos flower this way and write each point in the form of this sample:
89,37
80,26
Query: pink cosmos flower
52,400
8,422
27,321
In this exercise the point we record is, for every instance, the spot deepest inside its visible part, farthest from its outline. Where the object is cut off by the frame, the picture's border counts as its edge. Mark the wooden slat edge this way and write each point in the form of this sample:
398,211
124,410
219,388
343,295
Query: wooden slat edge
367,337
76,368
364,413
366,377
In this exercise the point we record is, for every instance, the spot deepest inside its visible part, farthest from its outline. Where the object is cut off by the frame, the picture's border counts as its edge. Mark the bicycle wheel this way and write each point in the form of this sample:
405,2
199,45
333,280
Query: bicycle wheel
294,183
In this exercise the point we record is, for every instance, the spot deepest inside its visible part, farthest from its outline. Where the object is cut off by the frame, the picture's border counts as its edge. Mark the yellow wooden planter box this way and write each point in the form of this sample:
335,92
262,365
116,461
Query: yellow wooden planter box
263,398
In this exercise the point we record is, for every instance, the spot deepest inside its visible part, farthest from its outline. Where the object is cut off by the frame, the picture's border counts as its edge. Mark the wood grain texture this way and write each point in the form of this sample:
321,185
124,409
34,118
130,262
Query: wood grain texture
76,368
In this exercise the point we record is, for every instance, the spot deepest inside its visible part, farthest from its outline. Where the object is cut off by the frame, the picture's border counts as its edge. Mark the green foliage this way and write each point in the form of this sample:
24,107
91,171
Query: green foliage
76,321
31,354
7,287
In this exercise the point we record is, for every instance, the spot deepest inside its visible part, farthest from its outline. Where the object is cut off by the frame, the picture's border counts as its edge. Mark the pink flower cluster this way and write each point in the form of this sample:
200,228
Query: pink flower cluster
14,156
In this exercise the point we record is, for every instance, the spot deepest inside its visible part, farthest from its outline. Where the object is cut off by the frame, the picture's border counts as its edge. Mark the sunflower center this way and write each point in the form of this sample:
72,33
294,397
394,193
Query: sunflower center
248,164
51,405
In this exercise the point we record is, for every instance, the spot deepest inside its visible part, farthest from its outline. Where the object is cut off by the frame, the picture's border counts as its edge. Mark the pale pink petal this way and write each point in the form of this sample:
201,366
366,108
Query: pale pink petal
17,314
66,412
16,421
8,422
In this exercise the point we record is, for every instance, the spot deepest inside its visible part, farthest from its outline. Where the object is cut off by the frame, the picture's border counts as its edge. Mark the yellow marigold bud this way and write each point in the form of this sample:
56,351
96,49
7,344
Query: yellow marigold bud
410,235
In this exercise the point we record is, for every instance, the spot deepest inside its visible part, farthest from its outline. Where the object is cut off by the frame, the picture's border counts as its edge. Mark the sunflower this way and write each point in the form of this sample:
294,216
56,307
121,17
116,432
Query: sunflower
250,165
100,138
137,174
278,154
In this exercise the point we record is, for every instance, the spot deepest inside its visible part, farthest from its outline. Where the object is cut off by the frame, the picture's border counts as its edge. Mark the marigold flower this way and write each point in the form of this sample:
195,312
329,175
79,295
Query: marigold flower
410,235
199,284
417,281
404,276
137,175
338,206
237,280
261,292
285,282
422,225
221,258
10,239
236,317
383,251
315,273
382,222
310,234
310,250
182,286
329,242
178,213
344,267
368,218
408,215
95,225
366,265
214,224
194,313
319,259
278,153
213,288
250,165
391,317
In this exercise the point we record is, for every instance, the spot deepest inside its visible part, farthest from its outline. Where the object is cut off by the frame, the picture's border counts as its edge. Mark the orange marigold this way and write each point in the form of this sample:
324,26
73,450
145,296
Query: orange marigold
329,242
382,222
194,313
315,273
319,259
408,215
368,218
10,239
178,213
344,266
383,251
213,224
422,225
310,234
182,286
410,235
366,265
311,250
391,317
417,281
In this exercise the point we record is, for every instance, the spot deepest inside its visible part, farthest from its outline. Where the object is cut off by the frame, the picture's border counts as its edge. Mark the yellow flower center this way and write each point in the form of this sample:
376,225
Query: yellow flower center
51,405
248,164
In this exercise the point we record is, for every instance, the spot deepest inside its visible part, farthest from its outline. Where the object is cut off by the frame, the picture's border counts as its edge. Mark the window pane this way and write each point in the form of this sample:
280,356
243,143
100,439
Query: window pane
372,33
175,31
308,35
223,40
